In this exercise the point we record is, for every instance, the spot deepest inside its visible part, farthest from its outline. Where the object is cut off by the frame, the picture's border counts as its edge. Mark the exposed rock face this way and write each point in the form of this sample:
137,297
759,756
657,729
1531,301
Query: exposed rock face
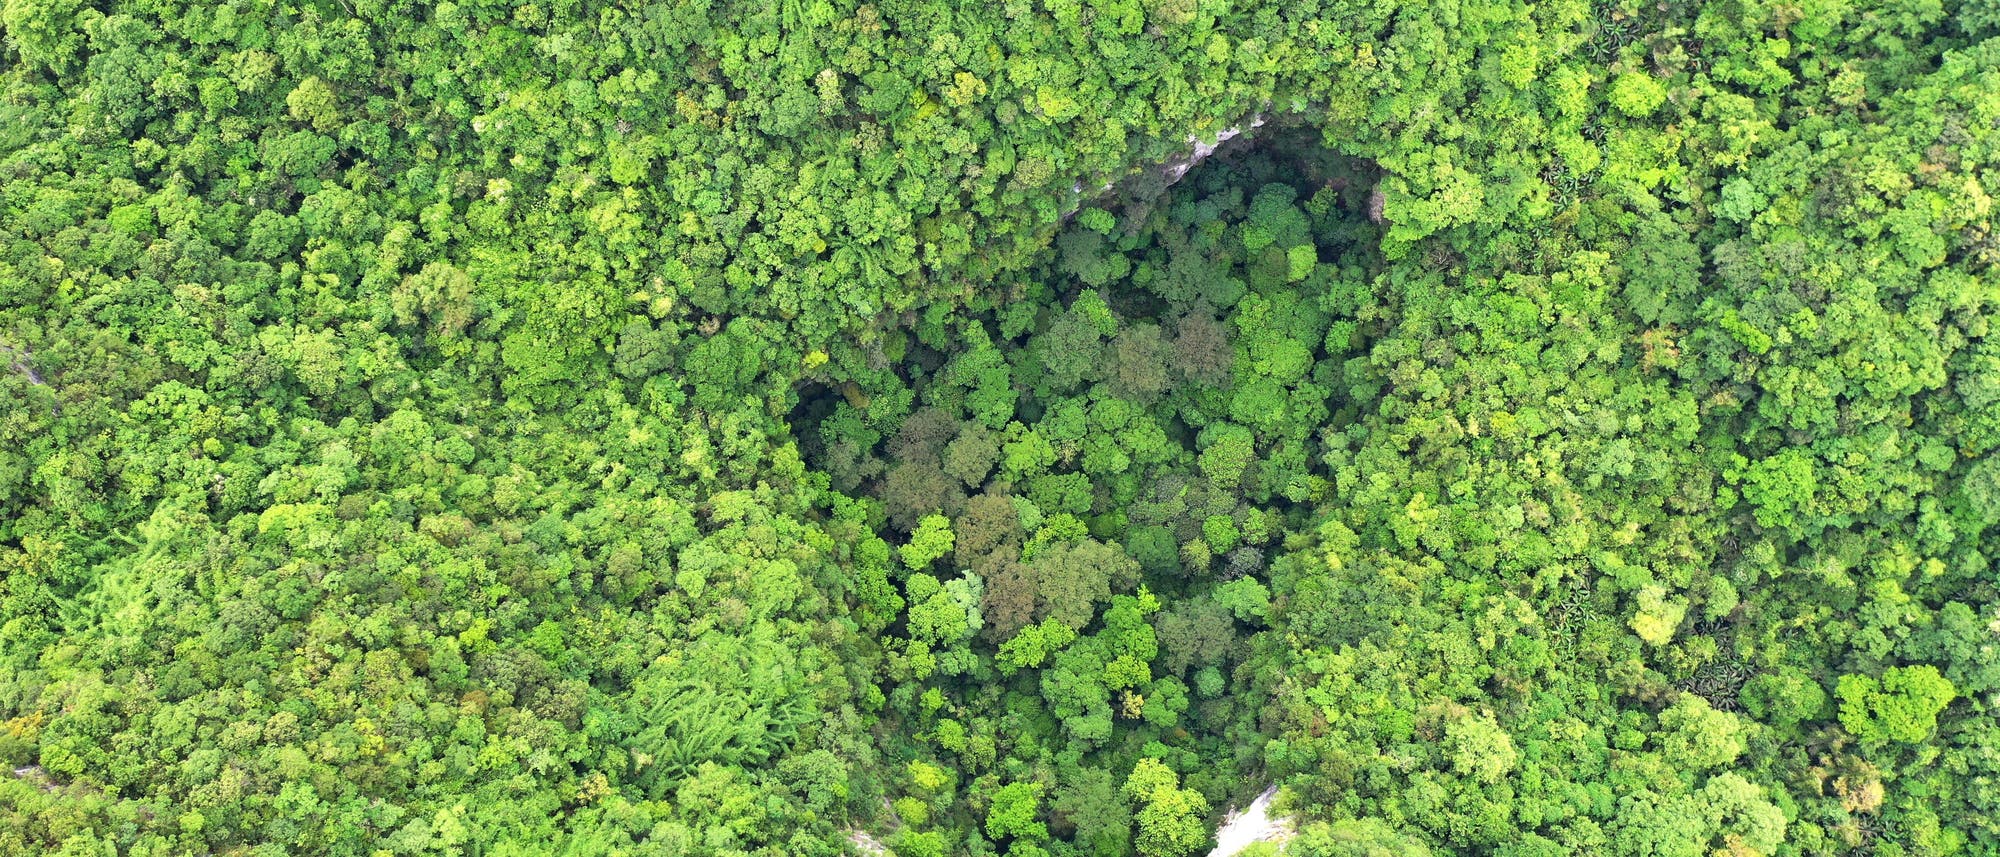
867,844
1174,169
17,360
1254,824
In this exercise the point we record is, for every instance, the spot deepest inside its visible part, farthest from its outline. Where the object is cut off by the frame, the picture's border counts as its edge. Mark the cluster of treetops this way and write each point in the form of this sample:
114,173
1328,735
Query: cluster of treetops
732,428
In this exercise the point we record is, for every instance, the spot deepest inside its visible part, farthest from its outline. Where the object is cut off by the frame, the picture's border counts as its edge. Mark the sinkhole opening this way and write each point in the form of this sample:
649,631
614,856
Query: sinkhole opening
1165,378
1076,483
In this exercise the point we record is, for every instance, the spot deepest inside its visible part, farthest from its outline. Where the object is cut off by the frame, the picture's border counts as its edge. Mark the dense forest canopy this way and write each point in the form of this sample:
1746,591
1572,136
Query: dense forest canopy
823,427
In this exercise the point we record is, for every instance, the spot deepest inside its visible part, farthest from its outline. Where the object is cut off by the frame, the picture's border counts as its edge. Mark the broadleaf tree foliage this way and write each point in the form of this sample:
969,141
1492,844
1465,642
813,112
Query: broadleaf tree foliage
1025,429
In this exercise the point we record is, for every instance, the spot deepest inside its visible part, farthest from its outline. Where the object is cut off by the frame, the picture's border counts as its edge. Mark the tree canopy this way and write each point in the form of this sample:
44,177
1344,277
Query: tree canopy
1026,429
